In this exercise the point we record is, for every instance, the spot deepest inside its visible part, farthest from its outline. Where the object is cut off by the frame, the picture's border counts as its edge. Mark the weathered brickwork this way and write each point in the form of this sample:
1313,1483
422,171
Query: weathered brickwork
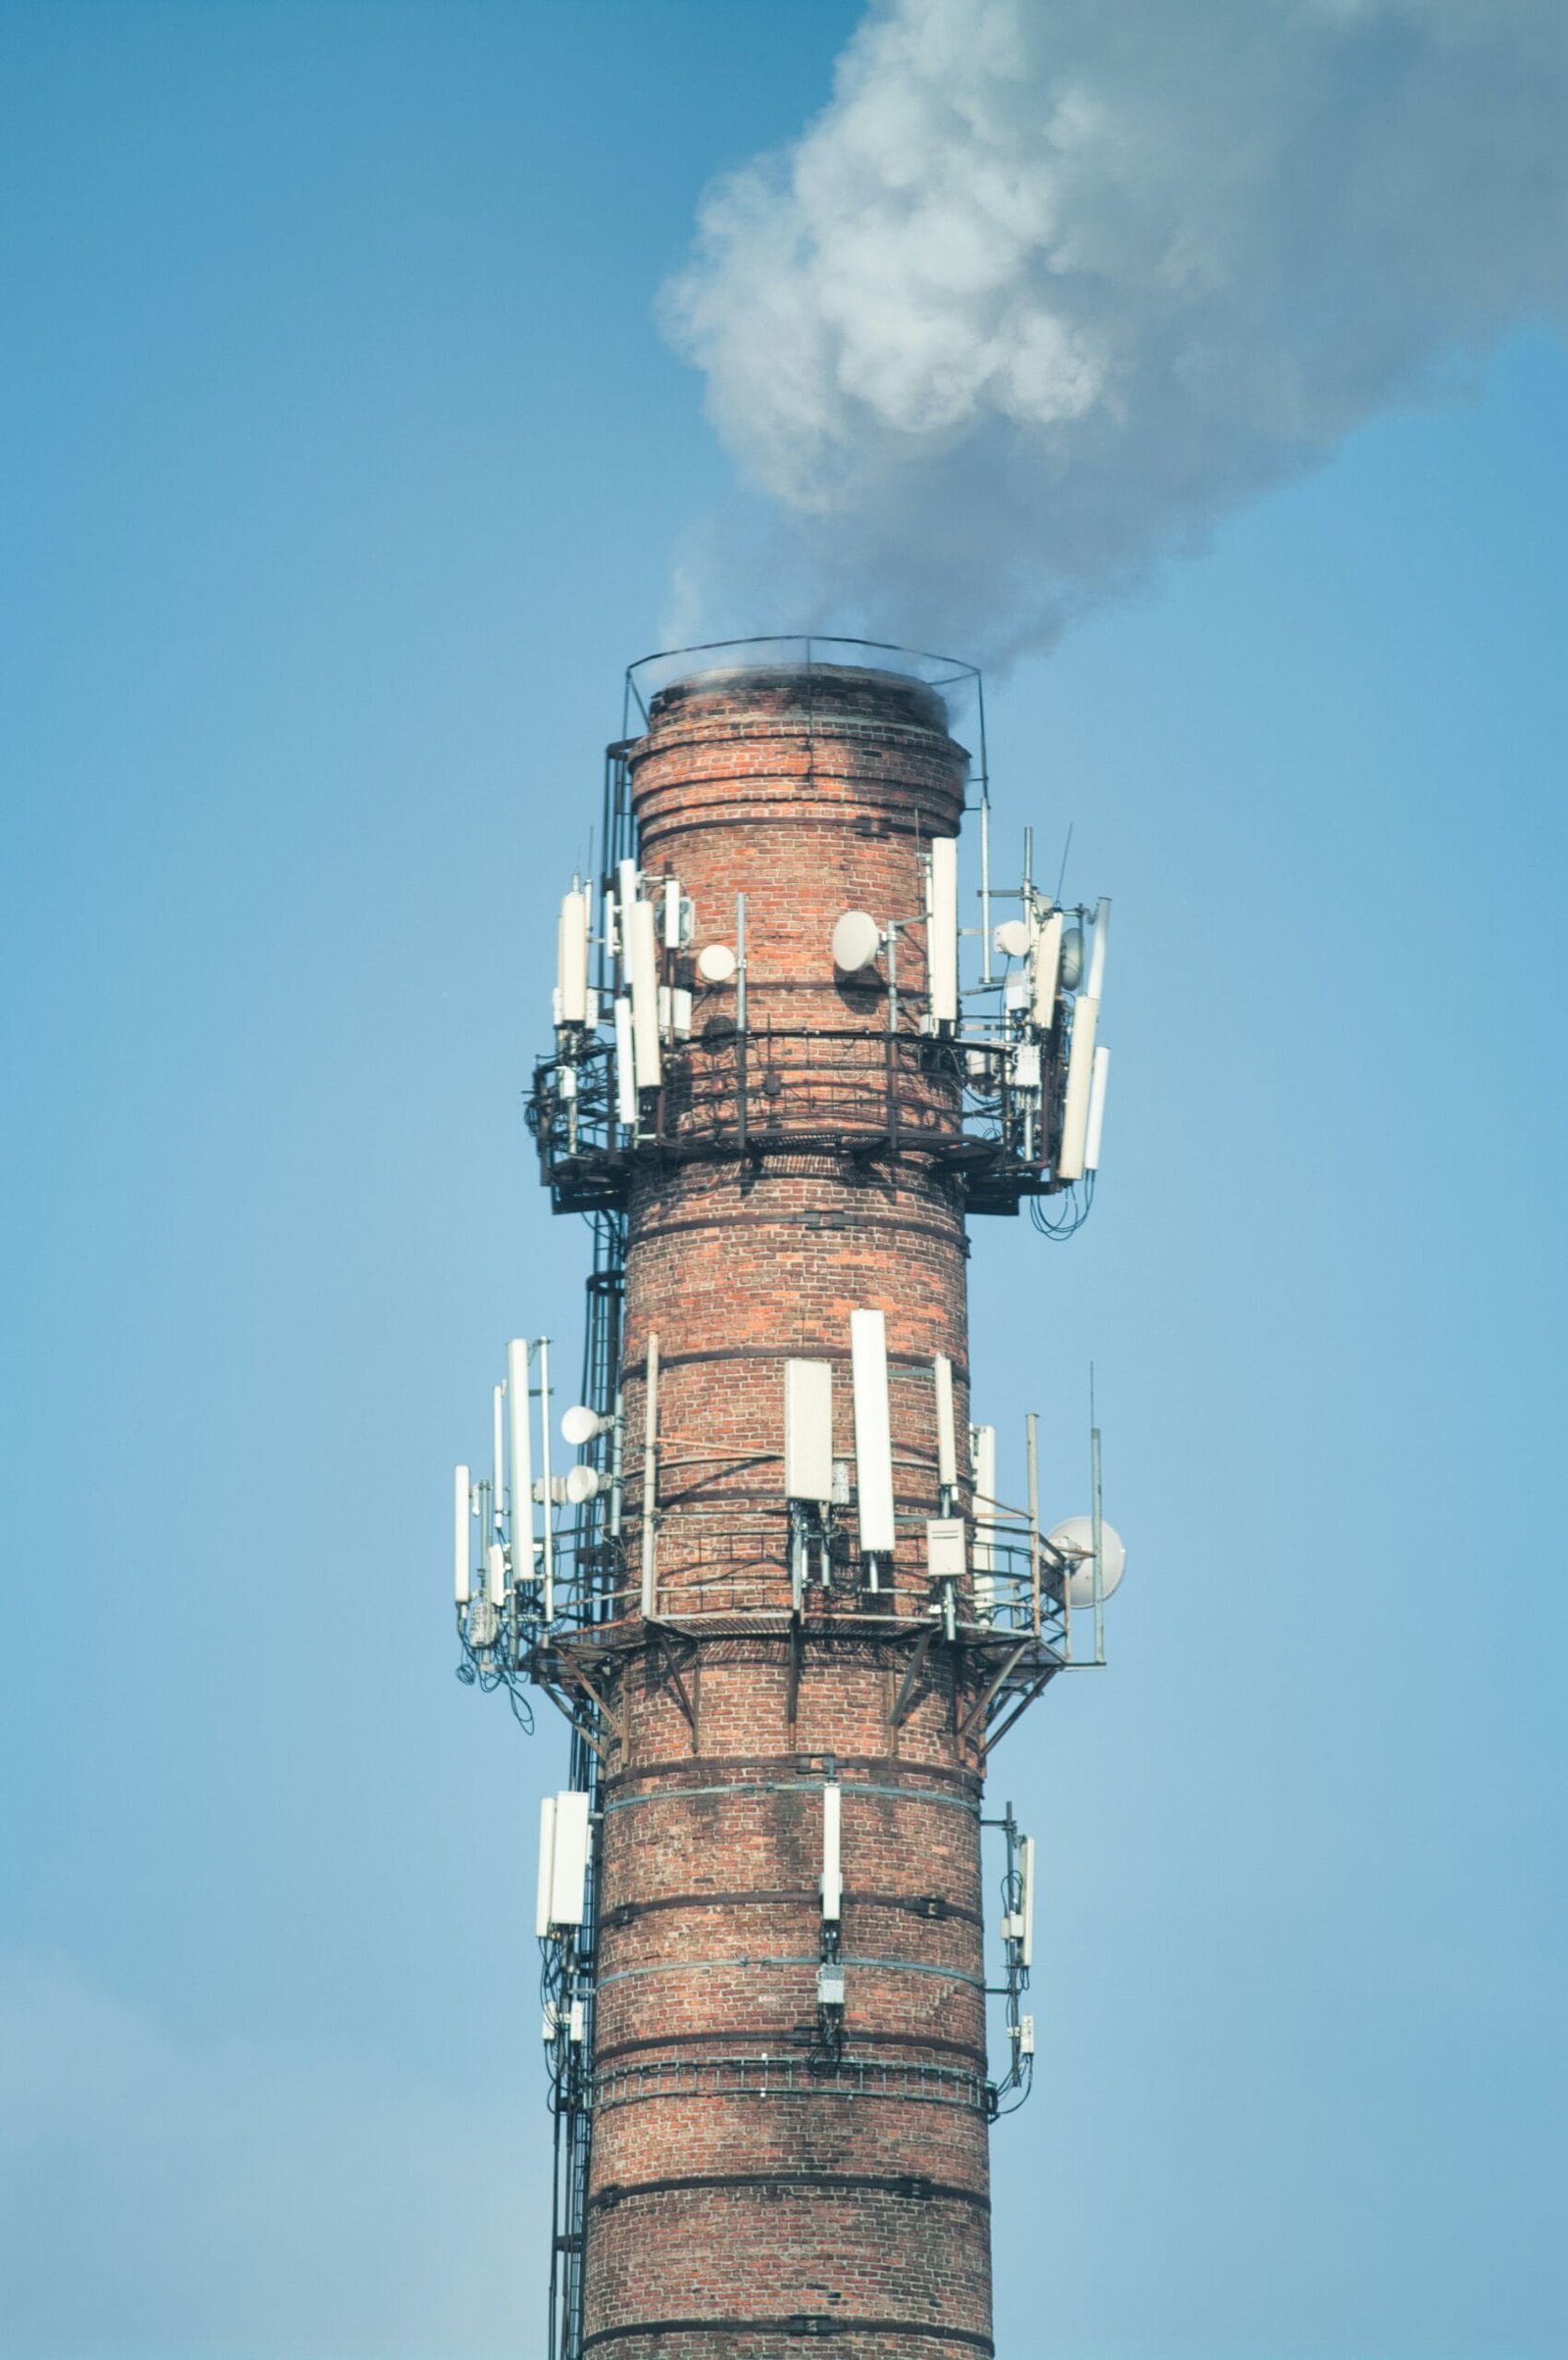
749,2188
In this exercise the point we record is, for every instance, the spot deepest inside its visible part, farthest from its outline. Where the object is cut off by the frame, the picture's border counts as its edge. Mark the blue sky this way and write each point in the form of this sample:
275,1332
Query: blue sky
343,468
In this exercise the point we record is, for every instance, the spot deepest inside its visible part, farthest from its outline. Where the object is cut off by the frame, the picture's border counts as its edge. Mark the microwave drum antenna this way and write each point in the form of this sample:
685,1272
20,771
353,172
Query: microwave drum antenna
1072,959
856,940
1075,1540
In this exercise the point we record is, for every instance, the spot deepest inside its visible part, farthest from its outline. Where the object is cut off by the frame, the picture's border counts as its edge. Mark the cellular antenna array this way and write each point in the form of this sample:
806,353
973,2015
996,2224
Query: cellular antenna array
767,1566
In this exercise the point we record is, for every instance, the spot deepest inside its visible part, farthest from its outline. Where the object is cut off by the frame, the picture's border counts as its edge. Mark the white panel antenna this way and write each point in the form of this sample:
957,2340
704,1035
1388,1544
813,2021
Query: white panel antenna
547,1870
1046,972
626,898
1026,1898
1097,1109
568,1866
832,1875
873,1435
626,1066
643,936
672,910
947,1431
808,1431
983,1440
942,946
1080,1078
462,1555
522,1454
572,959
495,1575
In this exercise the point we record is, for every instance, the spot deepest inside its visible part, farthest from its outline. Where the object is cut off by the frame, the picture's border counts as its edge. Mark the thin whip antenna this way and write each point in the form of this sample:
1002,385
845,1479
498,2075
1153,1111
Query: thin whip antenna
1062,876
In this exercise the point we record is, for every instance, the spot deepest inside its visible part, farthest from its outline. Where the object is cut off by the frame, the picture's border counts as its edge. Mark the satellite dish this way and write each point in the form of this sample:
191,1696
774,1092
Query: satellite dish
580,1425
856,940
582,1483
715,962
1075,1540
1011,938
1072,959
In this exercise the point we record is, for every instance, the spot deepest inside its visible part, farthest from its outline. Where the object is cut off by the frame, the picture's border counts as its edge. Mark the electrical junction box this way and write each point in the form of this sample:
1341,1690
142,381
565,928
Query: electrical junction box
830,1984
944,1548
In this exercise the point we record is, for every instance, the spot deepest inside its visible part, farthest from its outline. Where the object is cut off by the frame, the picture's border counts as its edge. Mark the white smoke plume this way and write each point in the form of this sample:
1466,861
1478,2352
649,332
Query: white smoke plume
1051,286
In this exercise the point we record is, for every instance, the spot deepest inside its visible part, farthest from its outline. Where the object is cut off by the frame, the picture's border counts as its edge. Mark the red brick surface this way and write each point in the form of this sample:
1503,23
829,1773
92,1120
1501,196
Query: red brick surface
729,2220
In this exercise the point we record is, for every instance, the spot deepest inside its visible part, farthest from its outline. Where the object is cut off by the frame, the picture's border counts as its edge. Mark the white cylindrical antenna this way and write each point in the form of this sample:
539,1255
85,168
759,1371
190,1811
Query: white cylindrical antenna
645,994
626,1067
462,1555
808,1431
1095,985
832,1875
1097,1109
1080,1079
572,959
1046,972
673,914
874,1435
1026,1898
942,940
947,1431
521,1455
740,963
548,1601
650,1571
497,1458
547,1865
1031,1449
1096,1533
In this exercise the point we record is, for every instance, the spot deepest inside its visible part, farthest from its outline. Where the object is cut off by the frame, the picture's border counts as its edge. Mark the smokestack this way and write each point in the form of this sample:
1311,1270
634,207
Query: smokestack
768,2029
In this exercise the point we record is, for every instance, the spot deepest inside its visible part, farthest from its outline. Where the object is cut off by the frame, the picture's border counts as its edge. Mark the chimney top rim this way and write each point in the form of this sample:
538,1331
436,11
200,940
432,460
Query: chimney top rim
775,658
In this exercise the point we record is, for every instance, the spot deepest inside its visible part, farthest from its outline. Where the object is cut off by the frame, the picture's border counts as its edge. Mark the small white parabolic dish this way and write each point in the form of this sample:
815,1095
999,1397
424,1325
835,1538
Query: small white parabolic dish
582,1483
580,1425
715,962
1013,938
1075,1540
856,940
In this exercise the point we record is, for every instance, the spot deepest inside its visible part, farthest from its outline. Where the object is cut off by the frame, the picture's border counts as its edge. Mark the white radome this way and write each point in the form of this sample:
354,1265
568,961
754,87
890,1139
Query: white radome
715,962
856,940
1075,1538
